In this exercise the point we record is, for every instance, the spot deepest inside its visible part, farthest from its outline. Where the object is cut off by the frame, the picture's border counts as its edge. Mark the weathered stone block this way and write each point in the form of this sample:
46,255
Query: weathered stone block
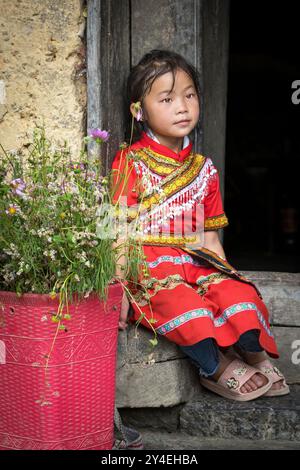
264,418
153,385
152,418
288,341
135,347
281,294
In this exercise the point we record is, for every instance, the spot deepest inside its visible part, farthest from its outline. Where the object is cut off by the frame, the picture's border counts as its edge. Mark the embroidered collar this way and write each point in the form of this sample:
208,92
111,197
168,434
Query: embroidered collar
146,141
149,132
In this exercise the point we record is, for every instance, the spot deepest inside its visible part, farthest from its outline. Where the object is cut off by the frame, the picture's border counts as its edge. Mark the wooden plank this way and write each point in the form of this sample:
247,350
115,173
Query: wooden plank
93,66
215,69
108,38
174,25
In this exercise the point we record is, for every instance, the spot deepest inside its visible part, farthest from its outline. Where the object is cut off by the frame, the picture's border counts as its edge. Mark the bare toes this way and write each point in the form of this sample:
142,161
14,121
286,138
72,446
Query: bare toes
252,384
259,380
277,385
248,387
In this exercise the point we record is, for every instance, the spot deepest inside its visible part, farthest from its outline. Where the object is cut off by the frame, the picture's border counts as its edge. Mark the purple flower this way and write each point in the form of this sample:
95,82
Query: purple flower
77,166
139,115
138,110
99,135
18,186
12,209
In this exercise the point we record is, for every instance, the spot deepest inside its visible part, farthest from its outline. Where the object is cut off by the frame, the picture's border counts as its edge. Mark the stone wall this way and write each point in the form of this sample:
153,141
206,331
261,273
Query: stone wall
42,70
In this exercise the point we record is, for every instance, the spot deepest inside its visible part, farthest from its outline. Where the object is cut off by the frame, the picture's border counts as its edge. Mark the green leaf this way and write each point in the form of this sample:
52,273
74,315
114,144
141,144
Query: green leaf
70,237
58,239
154,342
141,318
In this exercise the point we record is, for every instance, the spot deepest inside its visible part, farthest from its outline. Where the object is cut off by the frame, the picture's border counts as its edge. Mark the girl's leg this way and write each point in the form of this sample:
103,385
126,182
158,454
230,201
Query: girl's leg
211,363
250,350
204,355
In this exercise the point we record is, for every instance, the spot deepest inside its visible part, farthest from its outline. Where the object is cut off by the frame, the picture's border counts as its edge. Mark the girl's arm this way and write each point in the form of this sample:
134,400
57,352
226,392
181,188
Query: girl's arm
212,242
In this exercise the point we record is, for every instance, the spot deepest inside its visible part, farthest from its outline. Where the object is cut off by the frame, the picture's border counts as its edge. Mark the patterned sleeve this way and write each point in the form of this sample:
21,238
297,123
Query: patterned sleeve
214,215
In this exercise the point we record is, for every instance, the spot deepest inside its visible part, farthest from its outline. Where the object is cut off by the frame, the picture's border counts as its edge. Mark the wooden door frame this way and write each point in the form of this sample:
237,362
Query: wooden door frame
109,29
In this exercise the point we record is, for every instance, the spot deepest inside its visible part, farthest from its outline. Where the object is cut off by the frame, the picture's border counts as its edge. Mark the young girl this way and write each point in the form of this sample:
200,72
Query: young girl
197,299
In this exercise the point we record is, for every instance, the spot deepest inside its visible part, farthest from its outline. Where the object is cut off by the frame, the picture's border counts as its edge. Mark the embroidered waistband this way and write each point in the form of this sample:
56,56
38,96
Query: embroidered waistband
171,240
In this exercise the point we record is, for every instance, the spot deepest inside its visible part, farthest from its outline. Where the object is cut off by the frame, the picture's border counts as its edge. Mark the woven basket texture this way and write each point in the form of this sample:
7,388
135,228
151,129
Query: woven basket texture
69,404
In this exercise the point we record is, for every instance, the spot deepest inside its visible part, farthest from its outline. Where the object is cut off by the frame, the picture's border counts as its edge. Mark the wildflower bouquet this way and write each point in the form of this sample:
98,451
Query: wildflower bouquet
56,234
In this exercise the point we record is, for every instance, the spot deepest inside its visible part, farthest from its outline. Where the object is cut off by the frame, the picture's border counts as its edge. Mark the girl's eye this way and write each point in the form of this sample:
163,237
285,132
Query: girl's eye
190,95
166,100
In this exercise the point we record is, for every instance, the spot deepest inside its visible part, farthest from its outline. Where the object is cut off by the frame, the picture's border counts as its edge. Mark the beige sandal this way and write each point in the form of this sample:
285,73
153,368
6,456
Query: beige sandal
274,374
229,384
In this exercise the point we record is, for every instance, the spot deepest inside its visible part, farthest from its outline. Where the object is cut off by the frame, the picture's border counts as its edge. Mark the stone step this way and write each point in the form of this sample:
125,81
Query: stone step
158,440
266,418
148,377
209,416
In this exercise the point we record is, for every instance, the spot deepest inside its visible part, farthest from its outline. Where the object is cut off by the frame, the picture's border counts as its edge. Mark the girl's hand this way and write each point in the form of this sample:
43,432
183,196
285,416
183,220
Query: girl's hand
124,312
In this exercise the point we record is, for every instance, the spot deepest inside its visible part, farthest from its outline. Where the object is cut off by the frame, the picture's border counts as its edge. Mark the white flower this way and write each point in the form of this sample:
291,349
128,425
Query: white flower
82,256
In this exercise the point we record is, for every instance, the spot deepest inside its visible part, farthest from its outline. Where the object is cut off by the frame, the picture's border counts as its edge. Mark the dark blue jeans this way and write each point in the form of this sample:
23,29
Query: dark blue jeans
205,354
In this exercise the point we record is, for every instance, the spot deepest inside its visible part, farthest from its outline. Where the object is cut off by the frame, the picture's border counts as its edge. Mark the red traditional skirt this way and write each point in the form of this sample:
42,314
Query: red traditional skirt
190,300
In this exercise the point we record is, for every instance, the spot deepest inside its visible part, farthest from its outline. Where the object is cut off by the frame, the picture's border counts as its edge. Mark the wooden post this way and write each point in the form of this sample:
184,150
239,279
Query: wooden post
215,68
108,64
119,32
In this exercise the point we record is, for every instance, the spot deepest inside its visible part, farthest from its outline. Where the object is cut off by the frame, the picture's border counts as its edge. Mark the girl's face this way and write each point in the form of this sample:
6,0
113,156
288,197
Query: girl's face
171,113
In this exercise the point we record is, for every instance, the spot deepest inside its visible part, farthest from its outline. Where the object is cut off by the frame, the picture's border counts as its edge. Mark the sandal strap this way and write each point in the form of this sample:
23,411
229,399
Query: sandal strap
236,374
272,372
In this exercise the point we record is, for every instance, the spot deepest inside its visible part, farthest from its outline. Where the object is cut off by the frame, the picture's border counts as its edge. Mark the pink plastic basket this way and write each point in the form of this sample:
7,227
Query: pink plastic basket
73,406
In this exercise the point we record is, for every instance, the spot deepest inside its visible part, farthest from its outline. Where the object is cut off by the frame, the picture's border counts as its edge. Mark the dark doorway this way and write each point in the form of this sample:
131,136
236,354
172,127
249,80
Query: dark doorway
262,137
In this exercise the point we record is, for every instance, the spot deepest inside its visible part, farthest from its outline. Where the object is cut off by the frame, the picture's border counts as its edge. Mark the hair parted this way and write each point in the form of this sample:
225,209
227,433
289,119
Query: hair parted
152,65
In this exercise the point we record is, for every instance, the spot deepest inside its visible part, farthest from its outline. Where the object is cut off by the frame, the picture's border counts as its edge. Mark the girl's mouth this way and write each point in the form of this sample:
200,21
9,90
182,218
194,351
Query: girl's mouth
183,123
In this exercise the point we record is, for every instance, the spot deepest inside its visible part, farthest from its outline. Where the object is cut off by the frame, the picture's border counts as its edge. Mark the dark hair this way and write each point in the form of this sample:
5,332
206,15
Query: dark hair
152,65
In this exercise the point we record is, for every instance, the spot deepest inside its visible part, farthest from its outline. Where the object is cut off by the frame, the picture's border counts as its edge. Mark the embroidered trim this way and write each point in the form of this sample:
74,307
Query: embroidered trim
178,179
216,222
218,322
163,241
205,281
175,260
150,283
168,187
214,259
184,318
242,307
157,163
181,195
153,286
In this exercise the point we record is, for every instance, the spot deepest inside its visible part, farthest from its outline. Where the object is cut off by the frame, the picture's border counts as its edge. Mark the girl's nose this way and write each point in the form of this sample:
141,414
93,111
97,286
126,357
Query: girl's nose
181,106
